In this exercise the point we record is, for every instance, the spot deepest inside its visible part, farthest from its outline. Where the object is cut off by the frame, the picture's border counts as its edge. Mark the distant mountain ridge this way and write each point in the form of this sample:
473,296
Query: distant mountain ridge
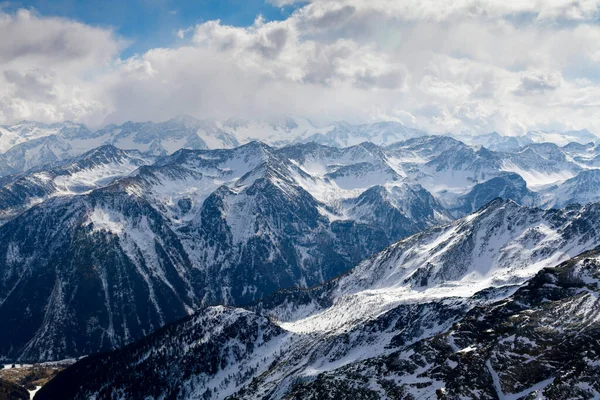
29,144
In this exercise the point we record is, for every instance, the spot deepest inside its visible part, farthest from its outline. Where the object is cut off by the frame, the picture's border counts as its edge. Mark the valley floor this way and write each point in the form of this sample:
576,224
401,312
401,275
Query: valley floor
32,376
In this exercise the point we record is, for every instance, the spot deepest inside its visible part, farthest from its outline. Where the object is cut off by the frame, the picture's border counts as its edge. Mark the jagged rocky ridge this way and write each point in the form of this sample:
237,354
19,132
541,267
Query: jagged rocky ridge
391,330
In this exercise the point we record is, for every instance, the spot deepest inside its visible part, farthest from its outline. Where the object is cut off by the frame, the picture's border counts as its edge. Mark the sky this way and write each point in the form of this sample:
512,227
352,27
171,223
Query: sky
152,23
442,66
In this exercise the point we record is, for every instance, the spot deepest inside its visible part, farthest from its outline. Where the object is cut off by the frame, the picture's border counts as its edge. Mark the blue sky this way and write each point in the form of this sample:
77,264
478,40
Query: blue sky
152,23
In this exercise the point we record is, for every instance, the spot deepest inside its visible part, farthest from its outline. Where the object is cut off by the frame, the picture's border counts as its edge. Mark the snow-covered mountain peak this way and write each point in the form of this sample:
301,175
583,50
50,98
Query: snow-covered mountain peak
425,148
261,217
108,153
580,189
277,130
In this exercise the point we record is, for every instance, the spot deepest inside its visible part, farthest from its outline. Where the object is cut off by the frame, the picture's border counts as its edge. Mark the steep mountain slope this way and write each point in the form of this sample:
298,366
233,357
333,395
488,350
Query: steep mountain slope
35,153
270,235
586,155
397,208
232,343
241,223
582,188
88,273
258,206
502,244
407,322
222,352
449,169
541,164
507,186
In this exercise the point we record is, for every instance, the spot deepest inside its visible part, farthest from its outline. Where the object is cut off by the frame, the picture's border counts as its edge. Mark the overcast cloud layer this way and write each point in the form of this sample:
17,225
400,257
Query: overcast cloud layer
465,65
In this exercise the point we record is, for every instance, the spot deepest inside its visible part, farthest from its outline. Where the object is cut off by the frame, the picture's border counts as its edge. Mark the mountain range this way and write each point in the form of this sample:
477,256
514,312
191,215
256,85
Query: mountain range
106,247
29,143
368,259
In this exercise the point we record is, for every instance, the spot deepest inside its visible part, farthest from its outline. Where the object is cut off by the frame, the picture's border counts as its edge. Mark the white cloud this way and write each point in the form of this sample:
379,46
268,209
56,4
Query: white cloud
538,82
26,37
476,65
47,67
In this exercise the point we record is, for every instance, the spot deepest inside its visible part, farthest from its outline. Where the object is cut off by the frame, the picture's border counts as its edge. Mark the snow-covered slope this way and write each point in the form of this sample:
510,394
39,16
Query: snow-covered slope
275,131
507,186
450,169
88,273
310,223
582,136
29,130
537,343
503,244
582,189
34,153
164,137
495,141
540,164
31,144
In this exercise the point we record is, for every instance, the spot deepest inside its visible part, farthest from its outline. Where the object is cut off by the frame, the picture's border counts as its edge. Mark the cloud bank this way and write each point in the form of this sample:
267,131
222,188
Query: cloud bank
466,65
